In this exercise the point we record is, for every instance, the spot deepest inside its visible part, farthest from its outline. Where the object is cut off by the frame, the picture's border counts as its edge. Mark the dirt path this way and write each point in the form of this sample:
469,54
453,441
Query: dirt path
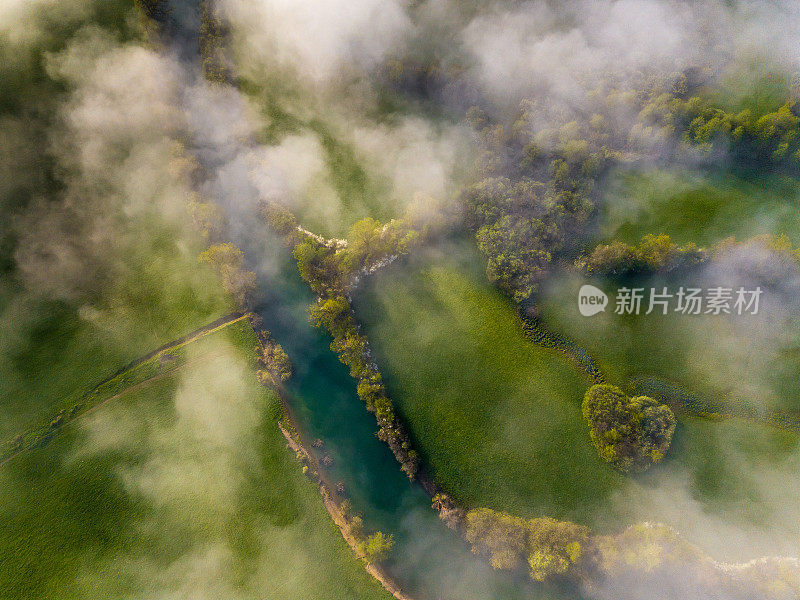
9,452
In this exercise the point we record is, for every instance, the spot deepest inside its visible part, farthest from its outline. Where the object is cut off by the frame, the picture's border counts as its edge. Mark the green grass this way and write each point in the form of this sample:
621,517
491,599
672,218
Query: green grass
724,481
725,485
729,360
50,350
181,488
700,208
65,325
496,418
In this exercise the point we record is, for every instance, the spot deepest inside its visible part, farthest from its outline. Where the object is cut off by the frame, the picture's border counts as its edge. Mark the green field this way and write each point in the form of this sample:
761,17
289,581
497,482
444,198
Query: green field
52,349
745,360
181,488
715,499
496,417
98,263
692,206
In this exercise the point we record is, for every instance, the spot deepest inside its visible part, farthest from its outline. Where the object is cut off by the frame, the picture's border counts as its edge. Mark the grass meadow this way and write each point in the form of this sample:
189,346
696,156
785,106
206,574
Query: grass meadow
693,206
53,349
180,488
748,361
496,418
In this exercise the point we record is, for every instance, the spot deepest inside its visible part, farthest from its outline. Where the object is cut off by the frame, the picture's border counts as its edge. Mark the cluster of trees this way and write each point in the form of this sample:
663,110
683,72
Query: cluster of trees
228,261
658,254
331,269
644,555
647,556
373,548
547,547
753,137
536,190
653,254
631,433
779,245
522,220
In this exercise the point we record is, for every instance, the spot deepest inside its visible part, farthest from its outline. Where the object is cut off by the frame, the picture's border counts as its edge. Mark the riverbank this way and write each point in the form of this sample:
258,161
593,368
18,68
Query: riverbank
334,508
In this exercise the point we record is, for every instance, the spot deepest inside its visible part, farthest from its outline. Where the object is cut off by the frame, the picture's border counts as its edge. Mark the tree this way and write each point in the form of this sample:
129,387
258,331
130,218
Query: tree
280,219
554,546
334,314
275,360
377,547
630,433
319,266
207,218
228,261
653,254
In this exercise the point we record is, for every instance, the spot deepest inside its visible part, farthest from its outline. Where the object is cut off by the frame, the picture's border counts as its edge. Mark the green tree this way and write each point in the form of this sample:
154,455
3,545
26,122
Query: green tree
498,536
280,219
554,546
377,547
630,433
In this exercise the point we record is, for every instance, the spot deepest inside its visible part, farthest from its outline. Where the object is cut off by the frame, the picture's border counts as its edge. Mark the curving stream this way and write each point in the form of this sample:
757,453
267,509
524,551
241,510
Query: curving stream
429,560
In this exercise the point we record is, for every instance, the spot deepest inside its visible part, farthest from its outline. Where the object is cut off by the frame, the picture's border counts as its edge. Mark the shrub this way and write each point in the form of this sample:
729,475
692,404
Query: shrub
498,536
554,546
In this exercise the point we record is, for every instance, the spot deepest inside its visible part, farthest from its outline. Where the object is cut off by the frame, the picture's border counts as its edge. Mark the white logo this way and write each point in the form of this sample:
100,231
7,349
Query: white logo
591,300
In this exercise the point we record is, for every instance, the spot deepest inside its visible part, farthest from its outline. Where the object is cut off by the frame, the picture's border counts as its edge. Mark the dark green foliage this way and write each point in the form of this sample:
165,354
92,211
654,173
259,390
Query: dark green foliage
157,10
630,433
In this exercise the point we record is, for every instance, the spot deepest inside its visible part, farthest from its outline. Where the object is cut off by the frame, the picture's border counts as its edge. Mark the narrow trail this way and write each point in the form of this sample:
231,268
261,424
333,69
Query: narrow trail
87,402
220,323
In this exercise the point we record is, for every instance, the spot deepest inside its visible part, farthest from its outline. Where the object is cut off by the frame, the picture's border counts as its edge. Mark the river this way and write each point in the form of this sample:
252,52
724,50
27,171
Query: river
429,561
